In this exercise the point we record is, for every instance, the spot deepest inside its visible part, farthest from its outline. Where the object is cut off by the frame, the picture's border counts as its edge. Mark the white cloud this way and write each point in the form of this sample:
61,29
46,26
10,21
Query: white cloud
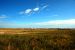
68,23
27,11
31,11
36,9
58,22
45,6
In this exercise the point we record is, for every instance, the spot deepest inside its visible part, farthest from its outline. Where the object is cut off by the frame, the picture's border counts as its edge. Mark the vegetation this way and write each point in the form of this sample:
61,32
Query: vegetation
57,39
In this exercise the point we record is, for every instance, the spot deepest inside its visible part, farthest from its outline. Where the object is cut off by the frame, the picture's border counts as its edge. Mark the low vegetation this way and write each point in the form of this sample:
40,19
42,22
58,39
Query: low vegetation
38,39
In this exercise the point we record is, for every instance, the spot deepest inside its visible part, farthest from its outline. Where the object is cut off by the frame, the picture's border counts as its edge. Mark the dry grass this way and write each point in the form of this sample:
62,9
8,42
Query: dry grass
37,39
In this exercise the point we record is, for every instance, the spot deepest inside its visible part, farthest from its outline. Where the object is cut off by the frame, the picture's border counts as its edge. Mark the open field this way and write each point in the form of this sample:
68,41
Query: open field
37,39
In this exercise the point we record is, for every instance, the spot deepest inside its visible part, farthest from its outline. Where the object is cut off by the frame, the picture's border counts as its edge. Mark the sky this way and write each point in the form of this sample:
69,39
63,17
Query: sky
37,13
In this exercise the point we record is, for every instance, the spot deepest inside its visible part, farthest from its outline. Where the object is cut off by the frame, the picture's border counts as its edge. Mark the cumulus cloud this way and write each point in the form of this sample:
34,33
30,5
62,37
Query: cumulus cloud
28,11
36,9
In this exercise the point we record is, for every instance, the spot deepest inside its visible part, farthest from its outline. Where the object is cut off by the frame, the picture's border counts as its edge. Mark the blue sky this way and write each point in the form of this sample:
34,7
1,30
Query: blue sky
37,13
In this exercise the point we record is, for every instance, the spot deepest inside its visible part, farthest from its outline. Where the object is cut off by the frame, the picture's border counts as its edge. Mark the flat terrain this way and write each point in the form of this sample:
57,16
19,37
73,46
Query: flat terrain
37,39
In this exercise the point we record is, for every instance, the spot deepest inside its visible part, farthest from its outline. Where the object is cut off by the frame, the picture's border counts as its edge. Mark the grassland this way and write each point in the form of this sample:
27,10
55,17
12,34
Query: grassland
37,39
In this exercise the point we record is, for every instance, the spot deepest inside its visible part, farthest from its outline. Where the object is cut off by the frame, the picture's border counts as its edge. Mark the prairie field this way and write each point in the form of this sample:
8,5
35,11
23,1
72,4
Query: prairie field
37,39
